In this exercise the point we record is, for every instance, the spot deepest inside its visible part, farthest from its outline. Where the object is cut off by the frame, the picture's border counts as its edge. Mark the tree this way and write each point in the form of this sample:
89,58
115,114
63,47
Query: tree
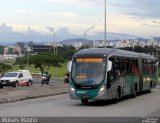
4,68
42,61
66,52
21,61
46,60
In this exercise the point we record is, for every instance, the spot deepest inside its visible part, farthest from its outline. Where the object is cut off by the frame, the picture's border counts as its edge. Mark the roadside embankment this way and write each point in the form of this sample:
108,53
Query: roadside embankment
10,94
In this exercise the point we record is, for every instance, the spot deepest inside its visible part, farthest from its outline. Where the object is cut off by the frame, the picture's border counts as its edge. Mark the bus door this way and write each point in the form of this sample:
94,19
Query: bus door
126,78
131,75
146,73
154,74
141,72
113,75
121,68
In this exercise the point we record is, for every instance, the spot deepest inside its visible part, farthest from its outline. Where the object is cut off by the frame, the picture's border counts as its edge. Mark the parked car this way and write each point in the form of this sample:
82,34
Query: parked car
14,79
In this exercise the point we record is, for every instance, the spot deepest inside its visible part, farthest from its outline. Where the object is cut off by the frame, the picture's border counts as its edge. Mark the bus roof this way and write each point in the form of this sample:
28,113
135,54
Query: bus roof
104,52
146,56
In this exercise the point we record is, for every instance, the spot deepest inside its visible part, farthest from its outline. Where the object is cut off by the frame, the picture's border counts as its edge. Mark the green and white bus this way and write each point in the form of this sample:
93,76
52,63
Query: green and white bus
107,73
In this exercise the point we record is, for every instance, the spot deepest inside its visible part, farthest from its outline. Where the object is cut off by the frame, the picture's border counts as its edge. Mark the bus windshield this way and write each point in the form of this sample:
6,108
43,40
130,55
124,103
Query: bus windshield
88,71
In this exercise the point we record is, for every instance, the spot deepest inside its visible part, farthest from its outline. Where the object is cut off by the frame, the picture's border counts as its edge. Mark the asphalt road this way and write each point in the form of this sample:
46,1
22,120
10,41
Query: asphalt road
62,106
37,80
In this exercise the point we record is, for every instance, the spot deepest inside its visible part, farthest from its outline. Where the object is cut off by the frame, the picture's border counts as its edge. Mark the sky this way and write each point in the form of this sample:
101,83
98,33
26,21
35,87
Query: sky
133,17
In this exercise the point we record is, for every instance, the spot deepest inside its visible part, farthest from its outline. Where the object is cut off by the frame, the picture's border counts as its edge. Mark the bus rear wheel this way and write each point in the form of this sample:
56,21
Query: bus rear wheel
84,101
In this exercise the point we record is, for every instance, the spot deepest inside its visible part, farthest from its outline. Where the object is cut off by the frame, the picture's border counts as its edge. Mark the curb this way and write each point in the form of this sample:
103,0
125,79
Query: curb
3,101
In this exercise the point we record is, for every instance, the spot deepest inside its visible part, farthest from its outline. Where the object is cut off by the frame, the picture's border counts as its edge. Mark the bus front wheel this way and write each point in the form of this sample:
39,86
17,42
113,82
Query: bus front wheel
84,101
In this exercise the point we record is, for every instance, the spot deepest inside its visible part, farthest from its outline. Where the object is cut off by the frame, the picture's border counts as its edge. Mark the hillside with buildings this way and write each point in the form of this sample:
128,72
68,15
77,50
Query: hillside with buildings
25,48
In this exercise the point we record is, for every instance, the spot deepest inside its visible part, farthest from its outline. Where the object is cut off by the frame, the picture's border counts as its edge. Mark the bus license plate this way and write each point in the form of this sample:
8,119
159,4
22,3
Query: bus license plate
85,97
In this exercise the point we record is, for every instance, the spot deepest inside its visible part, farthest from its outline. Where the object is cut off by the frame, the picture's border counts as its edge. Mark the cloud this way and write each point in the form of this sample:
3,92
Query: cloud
63,14
29,0
9,36
144,24
128,16
76,2
139,8
24,12
5,29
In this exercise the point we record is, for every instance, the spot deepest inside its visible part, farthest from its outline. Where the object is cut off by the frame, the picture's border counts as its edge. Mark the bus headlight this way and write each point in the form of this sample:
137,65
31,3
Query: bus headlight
102,89
72,89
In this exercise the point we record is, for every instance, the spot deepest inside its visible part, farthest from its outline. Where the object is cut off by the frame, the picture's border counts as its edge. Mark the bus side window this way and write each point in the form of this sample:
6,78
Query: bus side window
110,78
122,67
115,71
117,68
128,66
110,74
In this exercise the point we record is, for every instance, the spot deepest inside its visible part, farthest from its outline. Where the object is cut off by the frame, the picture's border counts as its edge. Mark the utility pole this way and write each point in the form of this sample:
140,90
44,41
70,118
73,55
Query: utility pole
54,43
55,48
105,24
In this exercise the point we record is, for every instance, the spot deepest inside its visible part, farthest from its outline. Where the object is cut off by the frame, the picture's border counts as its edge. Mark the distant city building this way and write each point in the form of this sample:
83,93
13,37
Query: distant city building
31,47
20,44
122,43
11,56
12,50
152,42
52,44
41,48
77,45
102,44
95,44
30,44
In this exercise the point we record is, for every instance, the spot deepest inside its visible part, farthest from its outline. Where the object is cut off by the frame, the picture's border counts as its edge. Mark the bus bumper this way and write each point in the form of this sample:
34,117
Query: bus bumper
88,94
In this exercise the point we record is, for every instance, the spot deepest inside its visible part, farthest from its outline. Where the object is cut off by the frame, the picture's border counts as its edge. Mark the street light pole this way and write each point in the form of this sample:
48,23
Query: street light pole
28,55
28,58
86,33
105,24
52,29
55,47
156,23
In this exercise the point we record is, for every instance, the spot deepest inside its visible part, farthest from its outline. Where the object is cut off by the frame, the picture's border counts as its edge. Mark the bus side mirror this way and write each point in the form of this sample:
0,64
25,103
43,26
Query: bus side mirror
69,66
109,66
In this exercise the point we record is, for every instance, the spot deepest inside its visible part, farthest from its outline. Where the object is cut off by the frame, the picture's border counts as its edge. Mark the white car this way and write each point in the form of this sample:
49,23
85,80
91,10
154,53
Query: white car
21,77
